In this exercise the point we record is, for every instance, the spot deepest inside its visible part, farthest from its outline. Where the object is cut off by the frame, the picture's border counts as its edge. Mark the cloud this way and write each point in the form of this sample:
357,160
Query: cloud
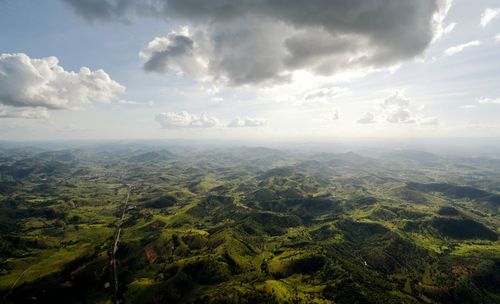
400,115
482,101
26,82
368,118
174,52
449,28
396,100
397,109
332,115
325,95
497,38
485,100
135,103
28,113
489,15
267,41
459,48
247,122
429,121
183,119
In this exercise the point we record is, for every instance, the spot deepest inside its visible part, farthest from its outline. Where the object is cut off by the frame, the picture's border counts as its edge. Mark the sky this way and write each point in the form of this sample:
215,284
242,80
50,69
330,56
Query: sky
249,69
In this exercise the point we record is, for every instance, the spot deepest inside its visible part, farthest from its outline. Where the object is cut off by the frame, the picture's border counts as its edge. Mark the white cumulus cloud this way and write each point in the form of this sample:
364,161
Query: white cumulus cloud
184,119
459,48
27,82
398,109
247,122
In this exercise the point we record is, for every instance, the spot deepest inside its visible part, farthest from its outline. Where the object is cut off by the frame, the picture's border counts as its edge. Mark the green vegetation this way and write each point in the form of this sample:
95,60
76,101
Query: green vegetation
247,225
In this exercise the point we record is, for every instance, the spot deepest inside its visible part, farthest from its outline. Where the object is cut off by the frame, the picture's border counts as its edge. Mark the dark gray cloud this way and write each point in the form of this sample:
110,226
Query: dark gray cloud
259,41
163,51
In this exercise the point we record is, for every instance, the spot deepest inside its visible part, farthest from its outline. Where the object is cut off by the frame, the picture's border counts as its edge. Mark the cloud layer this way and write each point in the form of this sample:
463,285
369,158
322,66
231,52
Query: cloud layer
27,82
266,41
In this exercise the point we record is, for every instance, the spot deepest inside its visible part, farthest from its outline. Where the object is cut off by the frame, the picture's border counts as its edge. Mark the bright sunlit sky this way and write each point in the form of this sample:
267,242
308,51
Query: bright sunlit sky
87,69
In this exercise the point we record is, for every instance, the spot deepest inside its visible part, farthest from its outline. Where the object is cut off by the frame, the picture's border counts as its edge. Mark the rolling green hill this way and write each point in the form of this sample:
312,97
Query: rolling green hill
247,225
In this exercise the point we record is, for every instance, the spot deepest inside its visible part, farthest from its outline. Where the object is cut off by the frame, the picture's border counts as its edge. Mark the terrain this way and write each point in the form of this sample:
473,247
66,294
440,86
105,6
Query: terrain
130,223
